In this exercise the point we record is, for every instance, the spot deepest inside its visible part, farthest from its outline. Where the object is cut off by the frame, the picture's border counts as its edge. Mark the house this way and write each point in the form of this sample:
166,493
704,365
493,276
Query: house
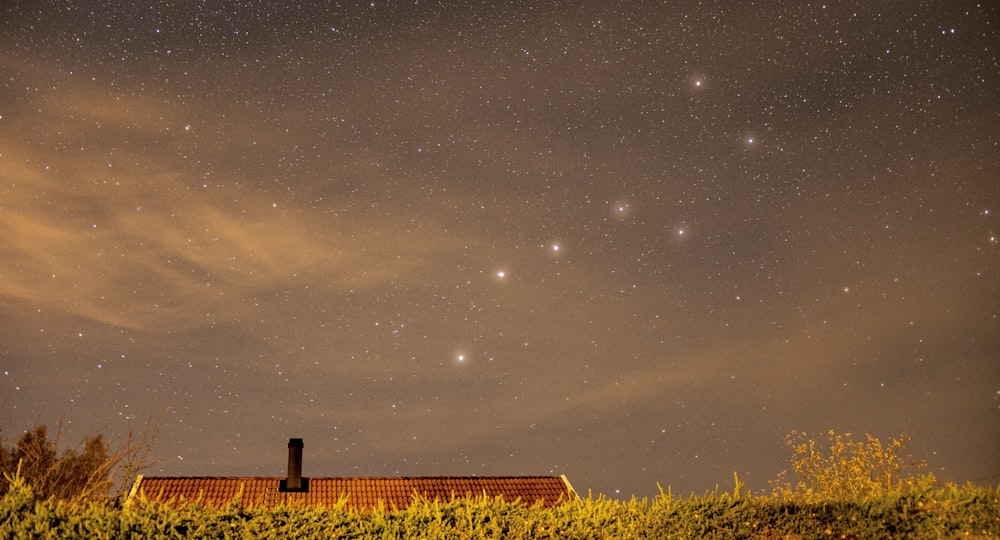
362,493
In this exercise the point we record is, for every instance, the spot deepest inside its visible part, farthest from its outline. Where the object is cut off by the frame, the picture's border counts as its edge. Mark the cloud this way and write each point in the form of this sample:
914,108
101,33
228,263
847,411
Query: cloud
119,233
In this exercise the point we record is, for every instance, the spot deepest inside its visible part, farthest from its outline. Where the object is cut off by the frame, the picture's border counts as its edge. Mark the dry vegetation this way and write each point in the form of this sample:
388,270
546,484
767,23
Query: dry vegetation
86,473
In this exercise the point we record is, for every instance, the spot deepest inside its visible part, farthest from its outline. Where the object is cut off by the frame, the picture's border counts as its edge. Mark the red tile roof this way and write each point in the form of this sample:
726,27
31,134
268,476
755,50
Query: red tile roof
360,493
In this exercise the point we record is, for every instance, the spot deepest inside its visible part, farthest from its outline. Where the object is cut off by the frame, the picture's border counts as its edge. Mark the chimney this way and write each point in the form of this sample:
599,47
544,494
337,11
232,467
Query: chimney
294,481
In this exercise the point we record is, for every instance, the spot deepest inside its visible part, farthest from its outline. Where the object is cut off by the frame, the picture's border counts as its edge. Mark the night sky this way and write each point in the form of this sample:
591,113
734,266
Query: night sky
633,243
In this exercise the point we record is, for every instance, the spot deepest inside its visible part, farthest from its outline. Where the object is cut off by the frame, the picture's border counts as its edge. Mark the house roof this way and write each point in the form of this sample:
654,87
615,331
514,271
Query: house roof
360,493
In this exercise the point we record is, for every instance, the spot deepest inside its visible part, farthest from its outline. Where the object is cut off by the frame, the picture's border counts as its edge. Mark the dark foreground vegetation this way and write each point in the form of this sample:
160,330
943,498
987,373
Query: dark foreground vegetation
842,489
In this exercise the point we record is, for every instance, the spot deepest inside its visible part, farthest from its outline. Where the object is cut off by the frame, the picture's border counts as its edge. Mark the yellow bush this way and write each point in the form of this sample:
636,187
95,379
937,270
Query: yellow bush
844,468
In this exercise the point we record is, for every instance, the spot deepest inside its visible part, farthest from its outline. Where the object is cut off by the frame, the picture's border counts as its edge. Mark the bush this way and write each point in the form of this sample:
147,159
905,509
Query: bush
915,512
74,475
846,469
84,473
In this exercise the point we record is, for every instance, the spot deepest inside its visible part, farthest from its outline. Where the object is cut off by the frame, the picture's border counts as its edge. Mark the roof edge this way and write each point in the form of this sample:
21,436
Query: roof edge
135,488
569,487
423,477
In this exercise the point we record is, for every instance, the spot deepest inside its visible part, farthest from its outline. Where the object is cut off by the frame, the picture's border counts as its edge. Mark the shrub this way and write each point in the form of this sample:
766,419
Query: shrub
845,468
914,512
84,473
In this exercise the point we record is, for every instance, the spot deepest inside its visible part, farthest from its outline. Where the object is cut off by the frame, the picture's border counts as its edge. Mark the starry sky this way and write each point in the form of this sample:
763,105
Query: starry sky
633,243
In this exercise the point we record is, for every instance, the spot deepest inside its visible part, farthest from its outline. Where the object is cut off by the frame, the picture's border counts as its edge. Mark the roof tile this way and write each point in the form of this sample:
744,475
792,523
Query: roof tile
362,493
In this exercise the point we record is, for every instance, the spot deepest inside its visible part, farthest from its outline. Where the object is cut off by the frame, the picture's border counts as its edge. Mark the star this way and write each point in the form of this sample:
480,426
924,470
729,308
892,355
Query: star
697,82
420,212
621,210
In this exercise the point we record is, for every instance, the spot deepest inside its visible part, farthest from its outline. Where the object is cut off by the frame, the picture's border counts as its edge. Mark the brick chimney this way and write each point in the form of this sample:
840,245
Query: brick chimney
294,481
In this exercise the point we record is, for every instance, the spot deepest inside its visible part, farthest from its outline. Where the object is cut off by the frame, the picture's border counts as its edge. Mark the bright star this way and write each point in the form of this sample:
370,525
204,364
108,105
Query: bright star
621,210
